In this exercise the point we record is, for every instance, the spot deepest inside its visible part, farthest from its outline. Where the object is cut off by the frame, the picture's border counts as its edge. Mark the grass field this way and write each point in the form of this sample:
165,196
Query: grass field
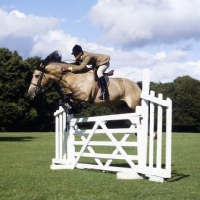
25,173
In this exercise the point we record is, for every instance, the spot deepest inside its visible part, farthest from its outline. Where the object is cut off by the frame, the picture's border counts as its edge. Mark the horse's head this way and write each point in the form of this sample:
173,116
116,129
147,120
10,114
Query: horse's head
39,79
41,74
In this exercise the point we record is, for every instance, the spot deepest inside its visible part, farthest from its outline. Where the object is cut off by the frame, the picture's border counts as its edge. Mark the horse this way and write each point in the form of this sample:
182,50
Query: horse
124,94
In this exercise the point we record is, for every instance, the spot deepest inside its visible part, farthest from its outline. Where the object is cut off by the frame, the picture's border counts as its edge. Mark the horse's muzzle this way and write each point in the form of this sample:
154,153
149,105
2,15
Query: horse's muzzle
31,92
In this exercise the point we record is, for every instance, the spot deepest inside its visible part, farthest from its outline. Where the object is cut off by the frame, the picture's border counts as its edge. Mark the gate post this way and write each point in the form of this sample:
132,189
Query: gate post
143,131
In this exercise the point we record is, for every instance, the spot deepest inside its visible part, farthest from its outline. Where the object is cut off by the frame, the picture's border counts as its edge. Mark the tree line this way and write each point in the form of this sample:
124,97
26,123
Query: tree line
19,113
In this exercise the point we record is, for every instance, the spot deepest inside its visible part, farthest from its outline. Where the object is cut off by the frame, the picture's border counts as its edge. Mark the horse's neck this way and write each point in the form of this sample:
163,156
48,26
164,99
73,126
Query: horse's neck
55,68
70,79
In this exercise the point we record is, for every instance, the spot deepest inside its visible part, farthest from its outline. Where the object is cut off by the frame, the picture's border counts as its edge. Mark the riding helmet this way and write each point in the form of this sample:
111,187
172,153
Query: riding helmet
76,50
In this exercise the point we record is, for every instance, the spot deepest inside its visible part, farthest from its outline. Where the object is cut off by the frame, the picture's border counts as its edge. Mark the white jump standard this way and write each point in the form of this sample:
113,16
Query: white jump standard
152,158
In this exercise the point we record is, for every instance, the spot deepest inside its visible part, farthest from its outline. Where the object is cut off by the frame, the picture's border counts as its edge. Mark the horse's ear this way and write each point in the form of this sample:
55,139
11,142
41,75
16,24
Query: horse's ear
42,65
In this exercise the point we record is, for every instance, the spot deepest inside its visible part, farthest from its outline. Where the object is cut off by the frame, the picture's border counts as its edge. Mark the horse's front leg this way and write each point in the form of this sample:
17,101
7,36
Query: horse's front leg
75,106
64,106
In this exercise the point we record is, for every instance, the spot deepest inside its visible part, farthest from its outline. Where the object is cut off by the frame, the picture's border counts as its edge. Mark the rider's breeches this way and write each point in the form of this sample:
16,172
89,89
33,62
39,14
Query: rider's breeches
102,69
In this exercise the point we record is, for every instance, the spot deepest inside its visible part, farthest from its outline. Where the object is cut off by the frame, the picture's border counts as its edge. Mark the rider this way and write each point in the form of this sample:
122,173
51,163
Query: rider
99,61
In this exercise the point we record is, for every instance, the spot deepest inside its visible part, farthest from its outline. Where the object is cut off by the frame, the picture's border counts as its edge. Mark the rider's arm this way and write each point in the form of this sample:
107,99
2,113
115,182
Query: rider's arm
77,68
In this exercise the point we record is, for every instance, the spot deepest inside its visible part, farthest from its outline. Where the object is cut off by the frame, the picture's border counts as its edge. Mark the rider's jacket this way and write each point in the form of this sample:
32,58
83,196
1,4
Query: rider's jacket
91,59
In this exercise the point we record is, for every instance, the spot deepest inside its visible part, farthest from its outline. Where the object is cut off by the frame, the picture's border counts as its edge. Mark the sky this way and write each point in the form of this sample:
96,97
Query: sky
160,35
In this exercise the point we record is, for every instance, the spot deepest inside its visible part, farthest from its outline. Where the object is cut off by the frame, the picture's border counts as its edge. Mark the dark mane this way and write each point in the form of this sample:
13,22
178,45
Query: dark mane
53,57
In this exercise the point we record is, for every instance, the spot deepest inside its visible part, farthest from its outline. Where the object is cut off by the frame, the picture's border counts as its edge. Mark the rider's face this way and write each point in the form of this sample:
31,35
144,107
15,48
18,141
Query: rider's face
77,56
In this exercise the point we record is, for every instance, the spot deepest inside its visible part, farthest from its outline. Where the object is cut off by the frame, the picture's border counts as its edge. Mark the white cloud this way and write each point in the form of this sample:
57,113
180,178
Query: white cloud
17,14
17,28
17,24
142,22
164,67
54,40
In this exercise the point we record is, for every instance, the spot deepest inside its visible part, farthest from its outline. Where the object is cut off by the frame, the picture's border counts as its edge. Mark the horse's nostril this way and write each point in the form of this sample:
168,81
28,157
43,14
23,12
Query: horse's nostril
30,92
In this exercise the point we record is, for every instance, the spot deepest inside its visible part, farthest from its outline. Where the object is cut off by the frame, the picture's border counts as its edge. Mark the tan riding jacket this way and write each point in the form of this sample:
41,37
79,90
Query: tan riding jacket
91,59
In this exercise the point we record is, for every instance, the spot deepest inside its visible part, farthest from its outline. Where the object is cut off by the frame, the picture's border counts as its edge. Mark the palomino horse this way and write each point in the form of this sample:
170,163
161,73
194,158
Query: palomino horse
124,94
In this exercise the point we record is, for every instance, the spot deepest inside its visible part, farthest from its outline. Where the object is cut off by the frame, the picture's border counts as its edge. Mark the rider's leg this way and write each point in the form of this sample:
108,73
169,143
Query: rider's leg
104,88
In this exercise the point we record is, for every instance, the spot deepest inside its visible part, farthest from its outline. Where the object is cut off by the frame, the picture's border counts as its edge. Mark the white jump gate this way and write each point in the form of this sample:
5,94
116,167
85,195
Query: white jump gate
152,158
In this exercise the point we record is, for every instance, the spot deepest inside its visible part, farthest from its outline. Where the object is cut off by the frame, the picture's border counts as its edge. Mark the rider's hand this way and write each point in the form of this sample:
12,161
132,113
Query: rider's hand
64,68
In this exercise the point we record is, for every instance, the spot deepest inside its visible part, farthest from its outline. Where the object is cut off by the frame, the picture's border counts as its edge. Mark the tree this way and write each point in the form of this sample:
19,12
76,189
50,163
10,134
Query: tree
184,93
14,104
17,111
186,102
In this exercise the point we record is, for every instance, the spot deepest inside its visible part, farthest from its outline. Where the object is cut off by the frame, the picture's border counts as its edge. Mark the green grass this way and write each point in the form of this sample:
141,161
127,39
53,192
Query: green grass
25,173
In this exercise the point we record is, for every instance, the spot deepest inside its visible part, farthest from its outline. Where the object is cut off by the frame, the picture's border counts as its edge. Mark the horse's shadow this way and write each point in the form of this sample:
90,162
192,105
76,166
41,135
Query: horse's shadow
16,139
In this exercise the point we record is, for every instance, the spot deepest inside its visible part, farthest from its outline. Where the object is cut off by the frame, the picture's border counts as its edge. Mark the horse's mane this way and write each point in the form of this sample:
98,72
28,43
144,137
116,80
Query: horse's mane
53,57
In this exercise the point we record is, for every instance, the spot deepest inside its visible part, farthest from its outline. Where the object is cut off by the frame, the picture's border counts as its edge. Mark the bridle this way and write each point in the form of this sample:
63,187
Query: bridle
38,86
53,57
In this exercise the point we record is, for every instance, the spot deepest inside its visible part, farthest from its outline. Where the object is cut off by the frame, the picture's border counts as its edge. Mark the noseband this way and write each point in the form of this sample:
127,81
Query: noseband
38,86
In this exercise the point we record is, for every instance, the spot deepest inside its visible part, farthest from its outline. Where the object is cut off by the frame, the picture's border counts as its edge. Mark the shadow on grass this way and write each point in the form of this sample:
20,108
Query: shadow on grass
126,165
16,139
177,177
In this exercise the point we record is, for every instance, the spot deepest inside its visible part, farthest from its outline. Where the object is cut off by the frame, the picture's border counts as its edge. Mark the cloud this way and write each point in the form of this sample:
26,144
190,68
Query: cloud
18,14
131,23
16,24
34,35
20,31
164,67
54,40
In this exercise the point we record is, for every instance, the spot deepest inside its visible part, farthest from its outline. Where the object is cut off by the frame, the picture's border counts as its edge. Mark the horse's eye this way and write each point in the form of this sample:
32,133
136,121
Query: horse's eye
37,76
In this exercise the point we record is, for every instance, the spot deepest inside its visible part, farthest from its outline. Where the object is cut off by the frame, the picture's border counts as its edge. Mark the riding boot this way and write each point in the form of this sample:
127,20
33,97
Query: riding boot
104,88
